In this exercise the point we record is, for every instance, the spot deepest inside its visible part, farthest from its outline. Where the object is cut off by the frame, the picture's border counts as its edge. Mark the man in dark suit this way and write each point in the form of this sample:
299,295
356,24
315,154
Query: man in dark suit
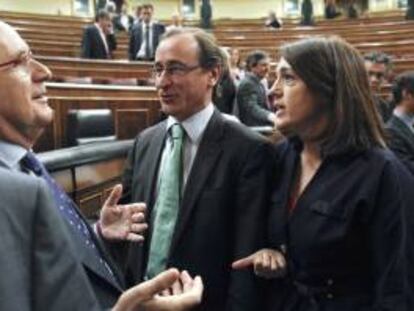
98,41
145,36
123,21
24,113
252,93
206,12
205,179
378,65
401,124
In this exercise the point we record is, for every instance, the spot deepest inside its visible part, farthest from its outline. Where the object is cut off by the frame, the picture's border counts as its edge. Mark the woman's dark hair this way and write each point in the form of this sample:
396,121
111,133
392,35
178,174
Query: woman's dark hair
334,72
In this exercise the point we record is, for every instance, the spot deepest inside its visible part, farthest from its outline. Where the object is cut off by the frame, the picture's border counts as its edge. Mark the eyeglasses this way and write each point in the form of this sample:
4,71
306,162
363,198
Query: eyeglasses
175,69
377,75
23,58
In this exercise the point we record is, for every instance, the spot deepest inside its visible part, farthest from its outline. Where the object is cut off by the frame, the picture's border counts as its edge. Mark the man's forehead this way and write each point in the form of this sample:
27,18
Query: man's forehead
377,67
11,44
179,47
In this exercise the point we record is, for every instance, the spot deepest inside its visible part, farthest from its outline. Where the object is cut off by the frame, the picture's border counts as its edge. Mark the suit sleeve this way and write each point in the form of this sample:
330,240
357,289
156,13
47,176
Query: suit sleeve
86,44
59,281
386,239
252,201
248,100
398,146
111,39
133,43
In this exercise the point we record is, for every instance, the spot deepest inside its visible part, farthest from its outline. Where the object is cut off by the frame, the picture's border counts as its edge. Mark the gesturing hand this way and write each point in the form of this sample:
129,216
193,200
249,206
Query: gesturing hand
122,222
267,263
168,291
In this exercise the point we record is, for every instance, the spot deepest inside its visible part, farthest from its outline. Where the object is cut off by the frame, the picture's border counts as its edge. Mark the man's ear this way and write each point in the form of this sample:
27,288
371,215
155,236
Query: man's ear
215,75
407,95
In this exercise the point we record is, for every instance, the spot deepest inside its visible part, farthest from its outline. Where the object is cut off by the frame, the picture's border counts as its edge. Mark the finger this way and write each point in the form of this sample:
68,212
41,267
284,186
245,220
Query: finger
266,261
281,261
135,207
166,292
274,264
114,196
258,264
133,237
195,293
138,217
147,289
186,280
177,288
243,263
138,228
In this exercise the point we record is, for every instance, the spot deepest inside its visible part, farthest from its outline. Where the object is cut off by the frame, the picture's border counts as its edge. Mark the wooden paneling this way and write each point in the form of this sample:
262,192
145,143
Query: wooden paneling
131,115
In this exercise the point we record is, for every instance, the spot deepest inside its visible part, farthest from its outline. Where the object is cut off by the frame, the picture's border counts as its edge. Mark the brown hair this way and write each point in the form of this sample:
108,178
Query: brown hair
334,72
210,54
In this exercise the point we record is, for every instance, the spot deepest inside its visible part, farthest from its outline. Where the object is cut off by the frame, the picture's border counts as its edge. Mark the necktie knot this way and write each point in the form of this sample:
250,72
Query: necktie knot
177,131
31,163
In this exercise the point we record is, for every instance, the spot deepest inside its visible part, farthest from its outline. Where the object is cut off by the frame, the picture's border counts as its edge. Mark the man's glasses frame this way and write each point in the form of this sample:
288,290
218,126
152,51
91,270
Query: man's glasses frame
173,69
23,58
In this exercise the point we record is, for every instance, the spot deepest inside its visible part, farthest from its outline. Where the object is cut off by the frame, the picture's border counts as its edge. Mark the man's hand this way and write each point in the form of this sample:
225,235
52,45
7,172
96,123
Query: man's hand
267,263
122,222
169,291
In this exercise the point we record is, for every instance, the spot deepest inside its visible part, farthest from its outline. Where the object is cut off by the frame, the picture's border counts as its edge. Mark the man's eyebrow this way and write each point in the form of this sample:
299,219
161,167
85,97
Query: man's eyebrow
283,69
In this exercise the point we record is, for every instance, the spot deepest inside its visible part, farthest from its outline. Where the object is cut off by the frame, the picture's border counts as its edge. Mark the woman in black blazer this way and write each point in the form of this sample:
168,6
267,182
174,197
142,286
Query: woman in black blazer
337,224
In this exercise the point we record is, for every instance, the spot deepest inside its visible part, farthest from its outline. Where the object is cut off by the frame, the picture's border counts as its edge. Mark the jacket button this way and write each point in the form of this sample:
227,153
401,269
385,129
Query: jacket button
329,296
329,282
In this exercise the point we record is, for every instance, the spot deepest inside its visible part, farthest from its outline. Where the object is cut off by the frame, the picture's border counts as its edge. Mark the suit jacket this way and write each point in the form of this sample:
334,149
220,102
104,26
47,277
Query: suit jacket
107,288
137,38
92,45
252,101
222,212
41,271
206,13
345,236
401,141
119,26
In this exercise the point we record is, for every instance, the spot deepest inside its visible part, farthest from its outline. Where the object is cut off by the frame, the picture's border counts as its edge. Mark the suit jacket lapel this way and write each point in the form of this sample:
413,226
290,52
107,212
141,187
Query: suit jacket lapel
150,169
88,257
404,130
207,155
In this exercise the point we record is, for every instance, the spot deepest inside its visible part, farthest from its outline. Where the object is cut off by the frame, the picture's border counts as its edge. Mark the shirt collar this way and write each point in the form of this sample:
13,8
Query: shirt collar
99,28
195,125
149,24
11,154
408,119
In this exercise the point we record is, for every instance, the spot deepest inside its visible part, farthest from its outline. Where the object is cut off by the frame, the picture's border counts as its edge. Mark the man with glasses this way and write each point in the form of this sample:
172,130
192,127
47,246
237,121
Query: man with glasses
145,36
51,258
205,180
378,66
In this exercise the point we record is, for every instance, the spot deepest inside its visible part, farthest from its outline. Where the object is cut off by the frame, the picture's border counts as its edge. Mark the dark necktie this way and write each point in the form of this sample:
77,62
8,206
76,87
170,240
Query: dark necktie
65,205
147,42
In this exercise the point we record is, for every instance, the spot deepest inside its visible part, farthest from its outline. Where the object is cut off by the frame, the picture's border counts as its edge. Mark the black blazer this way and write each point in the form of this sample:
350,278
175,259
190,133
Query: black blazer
92,45
252,102
222,211
345,237
401,141
137,37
